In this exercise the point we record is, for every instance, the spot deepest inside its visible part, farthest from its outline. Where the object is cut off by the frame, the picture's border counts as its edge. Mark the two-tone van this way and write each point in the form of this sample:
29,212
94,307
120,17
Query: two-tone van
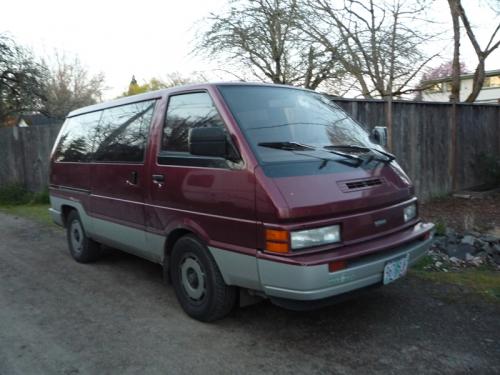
238,190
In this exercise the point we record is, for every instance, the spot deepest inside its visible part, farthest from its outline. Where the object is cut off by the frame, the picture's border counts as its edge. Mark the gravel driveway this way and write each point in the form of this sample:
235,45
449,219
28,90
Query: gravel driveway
117,317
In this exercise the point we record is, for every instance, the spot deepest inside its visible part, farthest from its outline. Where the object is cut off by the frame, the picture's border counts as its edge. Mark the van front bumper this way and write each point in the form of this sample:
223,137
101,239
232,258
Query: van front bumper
315,282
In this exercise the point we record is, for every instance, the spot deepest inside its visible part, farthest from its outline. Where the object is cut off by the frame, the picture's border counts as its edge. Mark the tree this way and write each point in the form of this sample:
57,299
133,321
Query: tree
482,54
443,70
21,79
455,66
377,42
70,86
264,36
171,80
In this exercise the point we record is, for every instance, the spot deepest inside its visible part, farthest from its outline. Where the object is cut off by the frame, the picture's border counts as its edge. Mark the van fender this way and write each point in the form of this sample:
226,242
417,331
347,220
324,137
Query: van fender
236,268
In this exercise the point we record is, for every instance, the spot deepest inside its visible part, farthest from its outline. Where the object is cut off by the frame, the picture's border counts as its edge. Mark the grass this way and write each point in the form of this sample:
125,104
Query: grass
35,211
481,280
17,201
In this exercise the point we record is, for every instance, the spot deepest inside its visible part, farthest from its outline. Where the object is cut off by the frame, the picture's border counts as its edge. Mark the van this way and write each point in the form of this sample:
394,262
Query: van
239,191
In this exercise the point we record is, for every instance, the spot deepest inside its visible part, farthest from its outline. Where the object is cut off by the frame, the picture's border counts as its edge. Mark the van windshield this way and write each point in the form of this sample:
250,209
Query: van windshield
280,115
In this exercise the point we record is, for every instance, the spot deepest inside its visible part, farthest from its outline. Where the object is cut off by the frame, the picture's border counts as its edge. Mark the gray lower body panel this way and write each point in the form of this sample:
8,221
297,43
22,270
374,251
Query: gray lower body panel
308,283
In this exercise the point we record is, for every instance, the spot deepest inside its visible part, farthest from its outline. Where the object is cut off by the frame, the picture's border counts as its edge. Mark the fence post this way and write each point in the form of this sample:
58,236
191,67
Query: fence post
388,121
452,151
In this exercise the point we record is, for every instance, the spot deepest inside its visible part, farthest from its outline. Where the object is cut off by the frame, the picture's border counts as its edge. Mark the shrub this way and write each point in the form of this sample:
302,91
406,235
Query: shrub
41,197
14,194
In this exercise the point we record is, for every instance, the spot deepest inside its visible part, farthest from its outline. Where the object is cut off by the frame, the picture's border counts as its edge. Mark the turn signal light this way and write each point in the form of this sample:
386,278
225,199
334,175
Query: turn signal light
276,235
277,241
337,265
277,247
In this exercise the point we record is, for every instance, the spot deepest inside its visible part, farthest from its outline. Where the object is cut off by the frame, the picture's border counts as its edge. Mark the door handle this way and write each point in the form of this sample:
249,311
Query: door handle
134,178
158,178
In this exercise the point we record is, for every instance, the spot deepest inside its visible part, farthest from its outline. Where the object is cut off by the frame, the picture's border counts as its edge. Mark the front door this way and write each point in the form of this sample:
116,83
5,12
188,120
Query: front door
211,196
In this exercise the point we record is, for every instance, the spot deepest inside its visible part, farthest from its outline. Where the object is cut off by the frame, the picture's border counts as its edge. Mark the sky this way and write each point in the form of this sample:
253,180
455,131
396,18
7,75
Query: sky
153,38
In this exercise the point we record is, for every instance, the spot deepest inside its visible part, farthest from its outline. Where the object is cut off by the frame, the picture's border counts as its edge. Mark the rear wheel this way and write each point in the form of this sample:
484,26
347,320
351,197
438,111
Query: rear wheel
82,248
198,283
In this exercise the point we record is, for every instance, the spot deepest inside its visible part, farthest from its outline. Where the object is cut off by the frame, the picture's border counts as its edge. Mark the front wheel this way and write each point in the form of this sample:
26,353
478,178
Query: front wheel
82,248
198,283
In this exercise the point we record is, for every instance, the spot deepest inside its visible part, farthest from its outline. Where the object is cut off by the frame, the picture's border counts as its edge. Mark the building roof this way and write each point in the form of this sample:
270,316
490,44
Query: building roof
488,73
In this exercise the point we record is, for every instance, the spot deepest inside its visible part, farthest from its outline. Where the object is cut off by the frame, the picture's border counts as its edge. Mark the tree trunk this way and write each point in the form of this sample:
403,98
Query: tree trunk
455,82
477,81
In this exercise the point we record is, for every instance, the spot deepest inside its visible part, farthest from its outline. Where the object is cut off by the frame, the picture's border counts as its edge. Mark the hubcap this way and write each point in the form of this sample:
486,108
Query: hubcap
192,277
76,233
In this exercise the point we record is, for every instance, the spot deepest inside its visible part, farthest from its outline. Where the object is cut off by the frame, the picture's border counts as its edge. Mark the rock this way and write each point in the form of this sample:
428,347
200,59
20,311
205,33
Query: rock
489,250
490,238
476,261
482,254
468,239
440,242
449,232
496,258
473,233
496,249
460,251
469,257
438,264
480,244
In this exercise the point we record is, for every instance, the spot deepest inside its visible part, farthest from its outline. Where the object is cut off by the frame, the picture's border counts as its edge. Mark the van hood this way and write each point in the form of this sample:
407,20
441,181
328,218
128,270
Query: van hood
314,190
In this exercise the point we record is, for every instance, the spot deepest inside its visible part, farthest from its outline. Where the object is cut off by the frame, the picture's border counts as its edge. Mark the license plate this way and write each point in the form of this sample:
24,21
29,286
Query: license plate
395,269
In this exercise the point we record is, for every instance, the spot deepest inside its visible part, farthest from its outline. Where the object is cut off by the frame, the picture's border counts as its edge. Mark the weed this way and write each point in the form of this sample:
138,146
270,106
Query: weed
440,228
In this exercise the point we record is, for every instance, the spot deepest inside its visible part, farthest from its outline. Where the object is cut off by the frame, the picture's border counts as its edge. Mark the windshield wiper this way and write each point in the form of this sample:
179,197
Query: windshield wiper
290,146
295,146
390,157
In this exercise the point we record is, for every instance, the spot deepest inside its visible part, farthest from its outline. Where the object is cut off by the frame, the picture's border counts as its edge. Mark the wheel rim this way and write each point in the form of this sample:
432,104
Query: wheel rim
76,235
193,277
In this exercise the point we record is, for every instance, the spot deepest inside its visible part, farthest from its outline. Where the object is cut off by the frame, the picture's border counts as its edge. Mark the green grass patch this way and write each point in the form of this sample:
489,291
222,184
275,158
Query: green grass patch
423,262
16,194
37,212
482,280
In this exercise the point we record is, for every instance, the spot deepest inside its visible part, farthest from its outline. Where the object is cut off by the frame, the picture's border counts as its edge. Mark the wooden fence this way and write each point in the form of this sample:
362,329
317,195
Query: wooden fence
422,141
24,155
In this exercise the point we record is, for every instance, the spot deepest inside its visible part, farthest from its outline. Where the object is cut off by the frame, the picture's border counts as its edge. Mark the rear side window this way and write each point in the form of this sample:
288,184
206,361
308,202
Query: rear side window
187,111
123,132
76,140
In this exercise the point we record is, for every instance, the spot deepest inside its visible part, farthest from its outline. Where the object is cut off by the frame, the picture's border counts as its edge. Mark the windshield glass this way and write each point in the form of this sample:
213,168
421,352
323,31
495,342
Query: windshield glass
279,114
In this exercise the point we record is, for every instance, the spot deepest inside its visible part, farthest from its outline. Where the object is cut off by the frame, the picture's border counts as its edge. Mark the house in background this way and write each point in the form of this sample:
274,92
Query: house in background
439,90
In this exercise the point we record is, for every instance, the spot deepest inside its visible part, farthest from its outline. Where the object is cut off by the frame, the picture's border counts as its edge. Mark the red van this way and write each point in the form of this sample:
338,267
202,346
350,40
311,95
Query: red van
238,190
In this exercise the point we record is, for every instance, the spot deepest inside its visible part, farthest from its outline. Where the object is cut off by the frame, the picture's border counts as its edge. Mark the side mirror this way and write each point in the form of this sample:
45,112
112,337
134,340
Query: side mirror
207,142
379,135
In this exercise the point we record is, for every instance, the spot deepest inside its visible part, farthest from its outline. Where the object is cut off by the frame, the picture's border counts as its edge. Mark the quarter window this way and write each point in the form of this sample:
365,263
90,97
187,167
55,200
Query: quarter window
123,132
188,111
75,142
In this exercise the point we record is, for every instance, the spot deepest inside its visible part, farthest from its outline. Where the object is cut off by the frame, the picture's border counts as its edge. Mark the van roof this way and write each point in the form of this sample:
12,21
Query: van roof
160,93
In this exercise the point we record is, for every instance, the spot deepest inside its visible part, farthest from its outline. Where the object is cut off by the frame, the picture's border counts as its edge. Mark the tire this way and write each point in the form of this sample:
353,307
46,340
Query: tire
81,248
198,283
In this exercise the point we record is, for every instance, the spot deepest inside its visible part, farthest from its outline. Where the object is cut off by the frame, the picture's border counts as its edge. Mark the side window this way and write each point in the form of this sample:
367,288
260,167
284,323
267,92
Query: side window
187,111
123,132
75,143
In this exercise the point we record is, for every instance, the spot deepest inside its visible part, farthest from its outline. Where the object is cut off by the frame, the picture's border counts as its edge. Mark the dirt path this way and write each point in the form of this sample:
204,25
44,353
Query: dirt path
116,316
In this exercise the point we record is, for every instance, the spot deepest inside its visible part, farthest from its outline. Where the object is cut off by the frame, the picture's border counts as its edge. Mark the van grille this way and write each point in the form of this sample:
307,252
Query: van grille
347,186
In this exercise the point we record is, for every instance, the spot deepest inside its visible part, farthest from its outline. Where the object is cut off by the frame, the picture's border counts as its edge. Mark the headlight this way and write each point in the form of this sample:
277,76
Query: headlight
410,212
315,237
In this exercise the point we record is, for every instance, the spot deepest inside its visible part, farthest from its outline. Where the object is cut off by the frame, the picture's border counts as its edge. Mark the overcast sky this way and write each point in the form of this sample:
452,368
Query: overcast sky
152,38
